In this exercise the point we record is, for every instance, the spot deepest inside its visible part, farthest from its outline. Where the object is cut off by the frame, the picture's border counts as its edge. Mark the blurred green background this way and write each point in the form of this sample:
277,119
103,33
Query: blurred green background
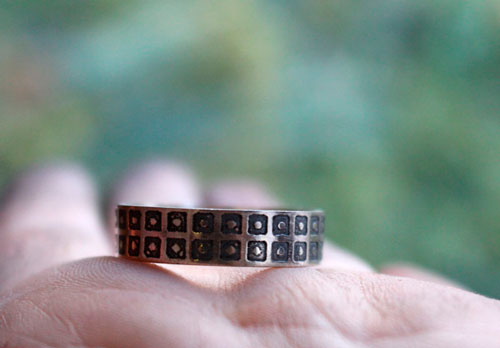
385,113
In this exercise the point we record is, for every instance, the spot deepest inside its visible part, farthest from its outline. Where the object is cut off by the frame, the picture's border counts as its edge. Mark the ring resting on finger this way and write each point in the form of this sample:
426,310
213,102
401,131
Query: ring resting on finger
224,237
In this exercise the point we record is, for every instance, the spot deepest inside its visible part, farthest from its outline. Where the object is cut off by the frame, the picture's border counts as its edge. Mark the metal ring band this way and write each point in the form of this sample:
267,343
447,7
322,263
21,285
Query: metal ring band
224,237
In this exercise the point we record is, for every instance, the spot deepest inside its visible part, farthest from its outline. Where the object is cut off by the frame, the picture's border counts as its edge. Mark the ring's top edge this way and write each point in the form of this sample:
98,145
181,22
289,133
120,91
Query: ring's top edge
267,209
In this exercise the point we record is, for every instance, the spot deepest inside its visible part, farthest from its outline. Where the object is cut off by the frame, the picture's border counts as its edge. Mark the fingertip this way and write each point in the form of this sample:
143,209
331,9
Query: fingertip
49,216
157,182
55,179
240,193
44,192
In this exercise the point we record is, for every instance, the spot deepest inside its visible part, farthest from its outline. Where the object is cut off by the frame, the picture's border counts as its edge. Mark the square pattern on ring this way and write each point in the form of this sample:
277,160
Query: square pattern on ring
122,218
301,225
134,219
281,225
122,240
153,220
176,221
257,251
315,225
231,223
257,224
203,222
300,251
230,250
202,250
176,248
134,245
152,246
279,252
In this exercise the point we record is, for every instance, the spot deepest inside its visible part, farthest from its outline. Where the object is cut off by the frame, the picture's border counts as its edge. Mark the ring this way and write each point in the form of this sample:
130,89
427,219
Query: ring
223,237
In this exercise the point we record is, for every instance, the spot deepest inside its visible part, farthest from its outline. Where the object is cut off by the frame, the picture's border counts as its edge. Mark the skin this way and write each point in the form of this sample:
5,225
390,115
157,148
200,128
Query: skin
59,289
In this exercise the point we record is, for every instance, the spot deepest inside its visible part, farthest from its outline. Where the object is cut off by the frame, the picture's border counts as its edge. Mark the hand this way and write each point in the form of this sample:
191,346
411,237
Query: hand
58,290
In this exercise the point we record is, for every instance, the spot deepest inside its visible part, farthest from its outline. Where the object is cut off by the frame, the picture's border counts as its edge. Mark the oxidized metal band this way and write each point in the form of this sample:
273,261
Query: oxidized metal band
224,237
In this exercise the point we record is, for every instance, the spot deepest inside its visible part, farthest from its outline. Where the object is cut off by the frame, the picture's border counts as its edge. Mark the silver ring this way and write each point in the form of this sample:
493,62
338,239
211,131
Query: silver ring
223,237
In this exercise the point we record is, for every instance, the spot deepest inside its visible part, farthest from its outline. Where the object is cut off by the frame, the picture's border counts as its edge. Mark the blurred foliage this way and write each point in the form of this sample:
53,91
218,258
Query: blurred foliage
385,113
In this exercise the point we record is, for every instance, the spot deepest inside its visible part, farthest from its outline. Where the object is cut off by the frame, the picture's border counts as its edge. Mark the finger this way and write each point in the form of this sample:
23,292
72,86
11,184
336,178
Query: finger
157,182
49,216
240,194
249,194
415,272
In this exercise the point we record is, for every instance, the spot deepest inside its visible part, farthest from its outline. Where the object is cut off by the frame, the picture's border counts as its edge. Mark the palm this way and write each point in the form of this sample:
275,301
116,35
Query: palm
105,301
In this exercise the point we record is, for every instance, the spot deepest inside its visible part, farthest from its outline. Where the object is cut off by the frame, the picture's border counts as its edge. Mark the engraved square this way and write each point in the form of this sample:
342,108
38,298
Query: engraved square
152,246
230,250
122,243
122,218
176,221
202,250
153,220
279,252
257,251
281,225
301,225
231,224
257,224
134,219
134,245
176,248
300,251
203,222
313,251
314,225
